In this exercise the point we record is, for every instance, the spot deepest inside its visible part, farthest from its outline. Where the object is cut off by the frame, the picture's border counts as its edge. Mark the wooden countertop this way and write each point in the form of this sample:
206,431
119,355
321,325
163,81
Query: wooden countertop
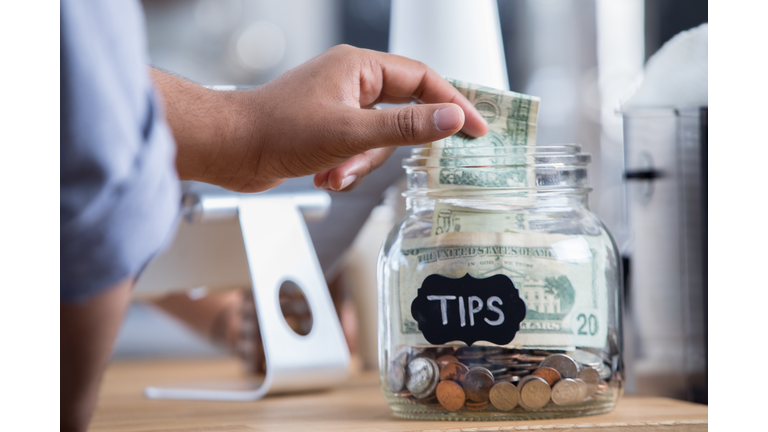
357,405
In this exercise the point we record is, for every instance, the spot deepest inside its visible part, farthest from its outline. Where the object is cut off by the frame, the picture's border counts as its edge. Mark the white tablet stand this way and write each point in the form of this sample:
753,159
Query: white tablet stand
278,249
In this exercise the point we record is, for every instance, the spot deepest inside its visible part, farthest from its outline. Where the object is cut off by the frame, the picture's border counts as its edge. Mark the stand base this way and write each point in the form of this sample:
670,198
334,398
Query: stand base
279,249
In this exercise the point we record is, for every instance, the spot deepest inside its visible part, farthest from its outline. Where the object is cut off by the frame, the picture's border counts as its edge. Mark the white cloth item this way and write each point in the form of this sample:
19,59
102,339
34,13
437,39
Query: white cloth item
677,75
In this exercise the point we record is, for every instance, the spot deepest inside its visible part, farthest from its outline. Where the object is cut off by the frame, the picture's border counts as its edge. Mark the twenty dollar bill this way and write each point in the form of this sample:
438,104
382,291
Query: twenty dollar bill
561,278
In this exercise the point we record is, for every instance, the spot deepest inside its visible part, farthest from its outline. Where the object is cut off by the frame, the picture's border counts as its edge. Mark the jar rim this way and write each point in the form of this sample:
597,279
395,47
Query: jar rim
503,168
489,193
546,149
502,156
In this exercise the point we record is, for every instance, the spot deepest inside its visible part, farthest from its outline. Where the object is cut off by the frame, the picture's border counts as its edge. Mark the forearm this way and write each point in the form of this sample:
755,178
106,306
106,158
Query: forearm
215,316
207,126
87,333
312,120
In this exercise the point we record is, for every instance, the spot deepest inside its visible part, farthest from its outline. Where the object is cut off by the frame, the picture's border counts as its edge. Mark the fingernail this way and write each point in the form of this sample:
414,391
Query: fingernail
446,118
325,185
348,180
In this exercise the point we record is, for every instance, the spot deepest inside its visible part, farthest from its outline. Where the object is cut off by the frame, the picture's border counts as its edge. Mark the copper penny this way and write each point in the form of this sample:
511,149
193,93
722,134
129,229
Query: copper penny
551,375
504,396
444,360
451,395
453,372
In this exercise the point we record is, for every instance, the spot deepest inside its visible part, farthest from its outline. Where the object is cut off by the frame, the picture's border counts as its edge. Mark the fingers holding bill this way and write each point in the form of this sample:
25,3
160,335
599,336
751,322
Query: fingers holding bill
395,79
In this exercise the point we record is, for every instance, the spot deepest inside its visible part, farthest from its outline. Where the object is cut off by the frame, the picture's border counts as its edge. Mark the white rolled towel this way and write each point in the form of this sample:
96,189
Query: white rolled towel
676,75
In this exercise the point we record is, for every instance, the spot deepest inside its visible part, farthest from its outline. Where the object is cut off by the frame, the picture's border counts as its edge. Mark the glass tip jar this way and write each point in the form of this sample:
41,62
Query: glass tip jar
499,291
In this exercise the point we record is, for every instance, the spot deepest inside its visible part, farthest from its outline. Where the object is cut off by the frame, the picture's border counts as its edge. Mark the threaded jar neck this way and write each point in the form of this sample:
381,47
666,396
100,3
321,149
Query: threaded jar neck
497,171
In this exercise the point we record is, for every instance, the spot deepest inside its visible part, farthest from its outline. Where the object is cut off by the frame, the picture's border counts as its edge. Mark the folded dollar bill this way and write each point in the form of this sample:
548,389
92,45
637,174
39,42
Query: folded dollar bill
495,160
511,118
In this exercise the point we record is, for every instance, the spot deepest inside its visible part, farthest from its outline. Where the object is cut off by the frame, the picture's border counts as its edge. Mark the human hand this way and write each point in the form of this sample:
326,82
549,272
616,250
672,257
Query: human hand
316,119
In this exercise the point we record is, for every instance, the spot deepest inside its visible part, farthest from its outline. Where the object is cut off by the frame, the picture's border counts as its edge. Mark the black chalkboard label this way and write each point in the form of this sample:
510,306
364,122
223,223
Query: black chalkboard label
468,309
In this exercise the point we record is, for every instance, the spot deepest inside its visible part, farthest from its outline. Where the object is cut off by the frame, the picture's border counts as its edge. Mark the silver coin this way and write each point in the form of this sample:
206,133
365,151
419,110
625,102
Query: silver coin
421,372
400,356
423,353
413,352
567,366
565,392
477,384
521,382
534,393
430,391
395,377
605,372
591,377
583,389
586,358
504,396
590,359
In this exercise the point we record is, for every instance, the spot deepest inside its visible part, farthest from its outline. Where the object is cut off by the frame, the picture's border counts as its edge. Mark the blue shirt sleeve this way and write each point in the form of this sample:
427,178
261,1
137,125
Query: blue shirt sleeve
120,193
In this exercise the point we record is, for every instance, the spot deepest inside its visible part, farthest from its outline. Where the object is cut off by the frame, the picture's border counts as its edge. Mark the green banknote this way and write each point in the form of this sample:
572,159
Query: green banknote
478,217
511,117
480,177
561,278
501,160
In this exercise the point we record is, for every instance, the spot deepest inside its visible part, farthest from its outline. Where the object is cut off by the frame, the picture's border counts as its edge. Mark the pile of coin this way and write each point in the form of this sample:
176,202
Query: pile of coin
478,378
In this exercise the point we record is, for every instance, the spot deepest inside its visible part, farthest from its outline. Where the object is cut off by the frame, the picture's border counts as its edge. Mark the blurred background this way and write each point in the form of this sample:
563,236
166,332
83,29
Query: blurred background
581,57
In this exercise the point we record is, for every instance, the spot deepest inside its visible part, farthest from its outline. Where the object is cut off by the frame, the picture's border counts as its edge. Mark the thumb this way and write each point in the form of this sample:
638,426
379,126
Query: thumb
411,125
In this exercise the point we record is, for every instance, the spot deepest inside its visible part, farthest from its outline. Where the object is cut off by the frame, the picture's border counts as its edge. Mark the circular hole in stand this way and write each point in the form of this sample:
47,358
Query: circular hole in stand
293,304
